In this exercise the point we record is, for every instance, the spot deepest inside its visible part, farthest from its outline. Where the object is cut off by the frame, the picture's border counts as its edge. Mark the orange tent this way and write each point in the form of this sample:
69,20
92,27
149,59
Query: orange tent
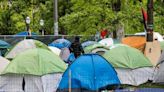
136,42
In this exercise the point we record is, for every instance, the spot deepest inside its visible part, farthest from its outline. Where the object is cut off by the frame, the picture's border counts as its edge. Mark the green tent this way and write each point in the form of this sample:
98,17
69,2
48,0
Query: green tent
162,45
36,62
126,57
90,48
25,45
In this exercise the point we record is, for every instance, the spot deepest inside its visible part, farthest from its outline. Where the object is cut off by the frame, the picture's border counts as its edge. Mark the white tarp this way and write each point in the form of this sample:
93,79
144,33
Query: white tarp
51,82
156,35
11,83
136,76
55,50
3,64
33,83
107,42
20,47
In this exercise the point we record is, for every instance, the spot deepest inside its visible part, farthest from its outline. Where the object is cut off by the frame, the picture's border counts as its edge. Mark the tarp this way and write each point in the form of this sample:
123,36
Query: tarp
25,33
25,45
11,83
90,72
3,64
107,41
88,43
136,42
156,35
127,57
4,44
36,62
95,48
55,50
61,43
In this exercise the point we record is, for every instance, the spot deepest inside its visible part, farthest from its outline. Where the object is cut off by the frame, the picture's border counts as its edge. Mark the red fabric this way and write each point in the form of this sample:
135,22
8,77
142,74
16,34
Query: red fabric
103,33
145,16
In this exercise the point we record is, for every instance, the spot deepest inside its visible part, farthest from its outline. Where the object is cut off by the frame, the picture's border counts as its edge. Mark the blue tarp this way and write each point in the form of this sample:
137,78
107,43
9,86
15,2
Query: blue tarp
91,72
61,43
25,33
87,43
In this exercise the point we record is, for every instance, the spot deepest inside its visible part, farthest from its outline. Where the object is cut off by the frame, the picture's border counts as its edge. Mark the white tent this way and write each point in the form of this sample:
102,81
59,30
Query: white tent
65,53
136,76
159,71
45,83
55,50
107,41
11,83
156,35
3,64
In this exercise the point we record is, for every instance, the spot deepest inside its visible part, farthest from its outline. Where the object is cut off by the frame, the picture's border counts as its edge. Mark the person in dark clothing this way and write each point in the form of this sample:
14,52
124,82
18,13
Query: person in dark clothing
76,47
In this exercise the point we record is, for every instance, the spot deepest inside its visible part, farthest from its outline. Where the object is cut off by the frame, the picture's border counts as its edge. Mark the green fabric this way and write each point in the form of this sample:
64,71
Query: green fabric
126,57
89,49
36,62
41,45
162,45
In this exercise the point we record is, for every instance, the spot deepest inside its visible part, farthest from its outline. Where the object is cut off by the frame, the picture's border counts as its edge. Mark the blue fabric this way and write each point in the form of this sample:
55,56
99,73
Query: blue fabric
61,43
142,90
71,58
57,45
89,71
4,44
87,43
25,33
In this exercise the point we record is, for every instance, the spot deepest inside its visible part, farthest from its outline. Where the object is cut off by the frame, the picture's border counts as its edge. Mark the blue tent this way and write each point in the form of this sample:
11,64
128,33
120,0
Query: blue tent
87,43
25,33
4,44
90,72
61,43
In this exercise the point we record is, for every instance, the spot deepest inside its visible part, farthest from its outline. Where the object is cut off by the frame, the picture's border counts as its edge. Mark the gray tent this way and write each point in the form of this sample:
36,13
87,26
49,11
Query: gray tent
159,71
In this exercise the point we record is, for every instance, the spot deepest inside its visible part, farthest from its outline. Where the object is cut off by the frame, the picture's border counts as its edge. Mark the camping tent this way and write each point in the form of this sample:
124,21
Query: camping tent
25,45
132,66
107,41
61,43
96,48
37,65
65,53
141,90
88,43
159,71
3,64
3,47
156,35
136,42
90,72
25,33
55,50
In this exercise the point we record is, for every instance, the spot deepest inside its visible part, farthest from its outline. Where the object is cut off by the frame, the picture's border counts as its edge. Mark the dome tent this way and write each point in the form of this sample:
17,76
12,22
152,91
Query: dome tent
96,48
3,47
25,45
88,78
132,66
39,67
61,43
107,42
88,43
55,50
3,64
25,33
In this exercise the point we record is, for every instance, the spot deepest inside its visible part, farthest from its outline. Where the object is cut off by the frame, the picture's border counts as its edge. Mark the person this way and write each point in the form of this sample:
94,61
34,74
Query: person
76,47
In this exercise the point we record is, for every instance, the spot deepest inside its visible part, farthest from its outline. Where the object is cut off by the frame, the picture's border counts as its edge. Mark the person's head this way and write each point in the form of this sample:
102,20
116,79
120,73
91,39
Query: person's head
77,38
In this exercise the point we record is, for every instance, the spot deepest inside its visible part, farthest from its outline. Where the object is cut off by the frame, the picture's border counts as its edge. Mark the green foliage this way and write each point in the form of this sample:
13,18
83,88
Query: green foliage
78,17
